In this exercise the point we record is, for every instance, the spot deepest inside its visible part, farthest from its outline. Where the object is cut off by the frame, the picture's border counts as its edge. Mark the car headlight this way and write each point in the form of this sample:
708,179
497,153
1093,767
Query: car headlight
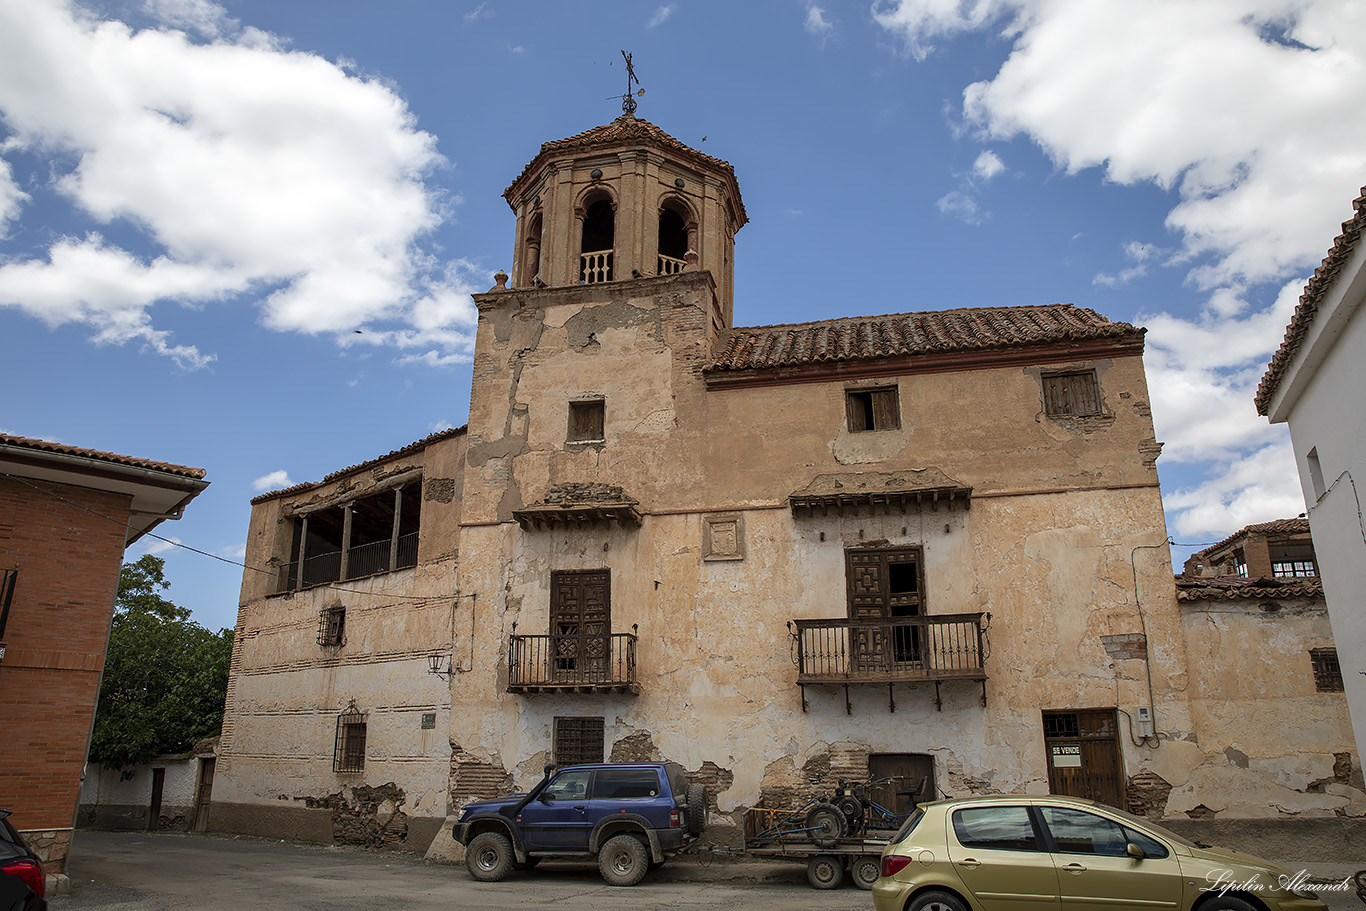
1300,891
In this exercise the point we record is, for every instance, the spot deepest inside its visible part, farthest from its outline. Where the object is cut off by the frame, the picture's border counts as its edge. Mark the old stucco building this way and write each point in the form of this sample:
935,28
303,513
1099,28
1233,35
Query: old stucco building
924,544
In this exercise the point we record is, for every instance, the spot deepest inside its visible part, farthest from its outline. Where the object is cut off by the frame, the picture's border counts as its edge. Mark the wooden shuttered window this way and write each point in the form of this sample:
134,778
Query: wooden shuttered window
1071,393
873,409
586,421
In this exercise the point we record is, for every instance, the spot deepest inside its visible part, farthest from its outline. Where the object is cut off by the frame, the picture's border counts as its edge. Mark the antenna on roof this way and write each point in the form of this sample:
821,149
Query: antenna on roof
628,100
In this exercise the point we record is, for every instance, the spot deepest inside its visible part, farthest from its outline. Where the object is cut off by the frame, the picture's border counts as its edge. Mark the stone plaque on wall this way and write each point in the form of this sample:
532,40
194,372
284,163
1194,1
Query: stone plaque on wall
723,537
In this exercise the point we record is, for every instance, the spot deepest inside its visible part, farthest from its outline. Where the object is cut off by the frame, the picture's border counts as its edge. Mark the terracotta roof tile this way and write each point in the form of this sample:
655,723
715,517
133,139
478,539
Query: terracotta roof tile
1318,285
369,463
1191,588
629,130
1298,526
183,471
902,334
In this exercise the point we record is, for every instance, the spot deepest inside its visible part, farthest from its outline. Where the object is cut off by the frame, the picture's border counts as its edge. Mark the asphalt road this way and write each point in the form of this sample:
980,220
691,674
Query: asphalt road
136,871
126,871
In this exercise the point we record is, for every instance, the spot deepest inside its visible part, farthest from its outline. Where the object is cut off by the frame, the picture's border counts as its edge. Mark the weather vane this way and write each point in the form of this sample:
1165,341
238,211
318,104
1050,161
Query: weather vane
628,100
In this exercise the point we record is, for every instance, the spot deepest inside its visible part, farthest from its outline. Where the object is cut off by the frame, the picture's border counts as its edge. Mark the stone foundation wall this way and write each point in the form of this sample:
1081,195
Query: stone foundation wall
1286,841
133,817
51,846
374,820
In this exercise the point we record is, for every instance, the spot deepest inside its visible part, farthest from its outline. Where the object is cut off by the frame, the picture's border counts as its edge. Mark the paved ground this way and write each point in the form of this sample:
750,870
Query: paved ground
125,871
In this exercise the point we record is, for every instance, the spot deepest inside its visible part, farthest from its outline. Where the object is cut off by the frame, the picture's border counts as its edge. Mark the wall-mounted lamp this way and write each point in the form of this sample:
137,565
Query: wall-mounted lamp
434,666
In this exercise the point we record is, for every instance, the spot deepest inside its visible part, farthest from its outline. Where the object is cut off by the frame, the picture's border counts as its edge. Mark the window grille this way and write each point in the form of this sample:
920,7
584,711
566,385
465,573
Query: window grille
349,754
578,740
1327,671
332,625
1061,725
1071,393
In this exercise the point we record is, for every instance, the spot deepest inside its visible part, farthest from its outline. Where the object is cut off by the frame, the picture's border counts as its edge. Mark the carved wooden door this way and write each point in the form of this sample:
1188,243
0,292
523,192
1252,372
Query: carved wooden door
884,584
580,625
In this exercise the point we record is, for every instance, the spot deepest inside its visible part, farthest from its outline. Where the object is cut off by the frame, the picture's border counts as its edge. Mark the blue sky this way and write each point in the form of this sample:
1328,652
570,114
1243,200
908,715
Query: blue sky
201,203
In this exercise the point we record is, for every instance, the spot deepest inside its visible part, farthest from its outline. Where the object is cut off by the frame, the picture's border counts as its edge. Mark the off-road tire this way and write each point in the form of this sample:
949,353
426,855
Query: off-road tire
826,825
489,857
825,871
936,901
865,870
623,860
697,808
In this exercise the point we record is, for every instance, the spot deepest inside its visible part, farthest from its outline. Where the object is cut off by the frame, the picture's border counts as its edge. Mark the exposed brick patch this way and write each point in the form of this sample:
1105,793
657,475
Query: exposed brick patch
1147,794
820,775
372,817
1148,451
637,747
439,490
473,778
716,780
1128,645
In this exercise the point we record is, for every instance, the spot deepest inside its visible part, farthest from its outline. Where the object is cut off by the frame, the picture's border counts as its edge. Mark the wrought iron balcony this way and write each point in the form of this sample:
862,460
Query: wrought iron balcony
928,649
575,664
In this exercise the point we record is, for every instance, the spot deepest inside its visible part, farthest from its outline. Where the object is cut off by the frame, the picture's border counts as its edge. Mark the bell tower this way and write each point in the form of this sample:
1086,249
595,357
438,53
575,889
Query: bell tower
622,201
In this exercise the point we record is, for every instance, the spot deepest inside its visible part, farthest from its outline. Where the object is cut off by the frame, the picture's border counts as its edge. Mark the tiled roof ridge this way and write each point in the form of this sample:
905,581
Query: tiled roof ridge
1314,290
625,129
1195,588
1296,524
184,471
368,463
871,337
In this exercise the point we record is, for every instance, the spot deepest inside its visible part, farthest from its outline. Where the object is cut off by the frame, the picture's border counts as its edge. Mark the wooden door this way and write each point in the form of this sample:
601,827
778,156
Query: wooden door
884,584
154,811
1083,754
580,624
893,772
203,794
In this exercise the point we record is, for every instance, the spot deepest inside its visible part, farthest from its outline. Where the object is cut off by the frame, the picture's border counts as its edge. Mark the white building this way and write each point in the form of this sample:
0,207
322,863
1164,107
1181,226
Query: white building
1316,384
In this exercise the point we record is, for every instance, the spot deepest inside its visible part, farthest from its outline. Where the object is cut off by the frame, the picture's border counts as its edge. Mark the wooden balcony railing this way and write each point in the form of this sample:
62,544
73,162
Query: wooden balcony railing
595,267
361,560
905,650
579,664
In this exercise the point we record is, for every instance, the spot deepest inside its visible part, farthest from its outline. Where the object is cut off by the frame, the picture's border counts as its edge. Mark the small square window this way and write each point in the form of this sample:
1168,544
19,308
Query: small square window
1327,671
1071,393
873,409
586,421
578,740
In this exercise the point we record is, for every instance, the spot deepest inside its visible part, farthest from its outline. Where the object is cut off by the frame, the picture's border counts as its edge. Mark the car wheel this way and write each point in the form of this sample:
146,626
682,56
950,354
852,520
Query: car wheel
865,870
1227,903
825,871
489,857
936,901
623,860
697,808
825,824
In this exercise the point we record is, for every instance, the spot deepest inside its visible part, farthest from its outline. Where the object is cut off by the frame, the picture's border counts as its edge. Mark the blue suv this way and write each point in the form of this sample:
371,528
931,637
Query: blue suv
630,816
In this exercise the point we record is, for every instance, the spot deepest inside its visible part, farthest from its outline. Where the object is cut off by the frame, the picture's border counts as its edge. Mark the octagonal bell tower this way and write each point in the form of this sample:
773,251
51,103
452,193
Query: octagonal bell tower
625,200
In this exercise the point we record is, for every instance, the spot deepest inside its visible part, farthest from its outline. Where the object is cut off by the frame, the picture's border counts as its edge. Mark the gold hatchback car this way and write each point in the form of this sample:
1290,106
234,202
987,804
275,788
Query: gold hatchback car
1035,853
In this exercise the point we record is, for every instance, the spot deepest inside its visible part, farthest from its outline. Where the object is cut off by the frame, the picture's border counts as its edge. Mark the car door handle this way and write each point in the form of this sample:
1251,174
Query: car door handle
580,809
970,863
1074,868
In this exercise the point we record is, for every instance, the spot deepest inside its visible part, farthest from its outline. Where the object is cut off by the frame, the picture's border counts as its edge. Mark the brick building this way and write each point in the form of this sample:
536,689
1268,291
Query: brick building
66,515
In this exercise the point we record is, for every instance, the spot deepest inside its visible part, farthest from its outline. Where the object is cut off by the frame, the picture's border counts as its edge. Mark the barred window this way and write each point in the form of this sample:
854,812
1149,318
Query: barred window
349,755
1327,671
332,625
578,740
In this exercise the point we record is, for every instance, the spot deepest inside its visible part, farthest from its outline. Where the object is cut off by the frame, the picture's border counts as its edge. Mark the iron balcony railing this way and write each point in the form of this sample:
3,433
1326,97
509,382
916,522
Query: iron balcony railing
362,560
904,650
582,663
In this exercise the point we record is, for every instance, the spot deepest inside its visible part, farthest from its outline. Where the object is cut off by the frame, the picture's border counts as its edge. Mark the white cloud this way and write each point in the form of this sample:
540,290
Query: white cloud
961,206
276,480
661,16
316,207
203,17
12,198
1245,110
158,546
816,23
987,165
481,11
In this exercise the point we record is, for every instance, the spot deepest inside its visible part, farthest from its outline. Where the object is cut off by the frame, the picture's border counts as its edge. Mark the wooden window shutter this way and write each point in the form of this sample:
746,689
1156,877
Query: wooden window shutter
858,421
886,413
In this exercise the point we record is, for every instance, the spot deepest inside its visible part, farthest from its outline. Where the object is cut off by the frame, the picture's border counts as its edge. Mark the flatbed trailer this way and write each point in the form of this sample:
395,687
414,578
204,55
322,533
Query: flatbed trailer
826,863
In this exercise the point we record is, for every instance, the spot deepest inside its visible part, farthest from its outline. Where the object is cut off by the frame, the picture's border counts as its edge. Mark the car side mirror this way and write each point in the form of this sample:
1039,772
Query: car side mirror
1134,851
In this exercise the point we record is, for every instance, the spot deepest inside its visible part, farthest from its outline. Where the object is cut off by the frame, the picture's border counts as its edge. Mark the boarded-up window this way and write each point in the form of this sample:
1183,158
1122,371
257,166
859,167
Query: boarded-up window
1327,671
349,753
1071,393
873,409
578,740
586,421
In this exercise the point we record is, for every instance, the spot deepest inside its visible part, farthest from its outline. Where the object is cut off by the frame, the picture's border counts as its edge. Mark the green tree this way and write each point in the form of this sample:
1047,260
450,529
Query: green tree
165,676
